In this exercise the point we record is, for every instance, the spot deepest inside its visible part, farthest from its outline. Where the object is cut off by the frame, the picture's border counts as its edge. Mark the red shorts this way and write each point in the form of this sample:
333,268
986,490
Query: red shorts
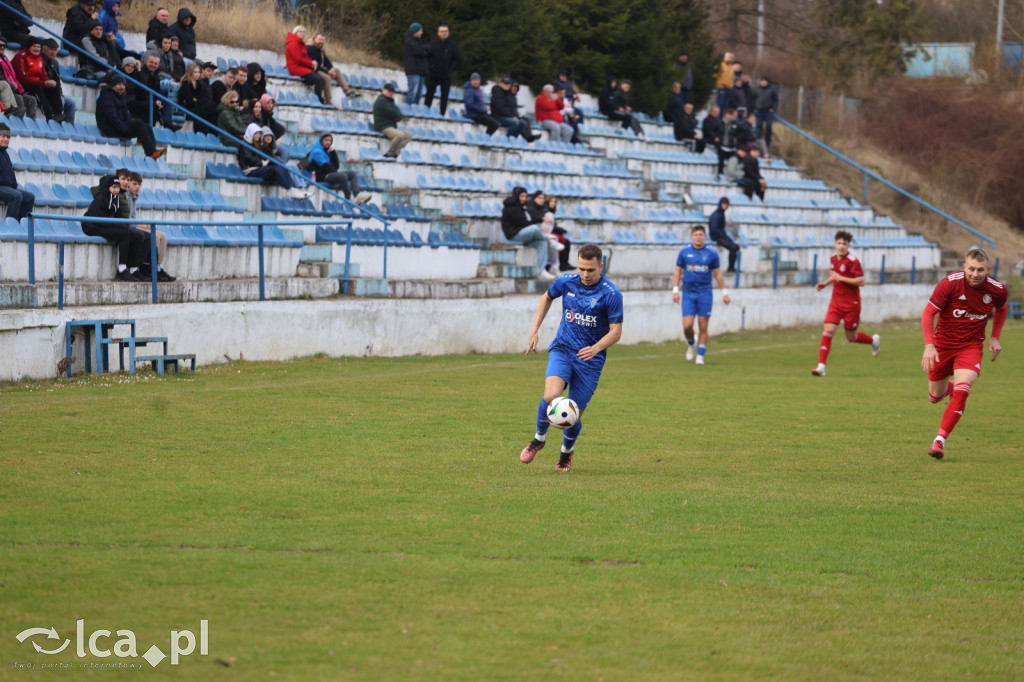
959,358
849,314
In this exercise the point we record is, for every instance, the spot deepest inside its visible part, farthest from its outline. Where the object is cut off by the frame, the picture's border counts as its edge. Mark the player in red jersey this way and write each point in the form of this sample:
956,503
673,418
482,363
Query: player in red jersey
847,277
963,301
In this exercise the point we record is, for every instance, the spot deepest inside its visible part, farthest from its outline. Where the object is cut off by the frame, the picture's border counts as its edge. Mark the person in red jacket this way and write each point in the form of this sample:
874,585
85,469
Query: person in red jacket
31,72
300,64
548,111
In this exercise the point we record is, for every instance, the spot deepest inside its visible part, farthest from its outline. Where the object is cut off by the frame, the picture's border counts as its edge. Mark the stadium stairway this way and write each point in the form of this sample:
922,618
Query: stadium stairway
99,335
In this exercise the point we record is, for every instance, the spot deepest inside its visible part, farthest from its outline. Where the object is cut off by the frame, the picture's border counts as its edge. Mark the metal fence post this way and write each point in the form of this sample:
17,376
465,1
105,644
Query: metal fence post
60,275
31,249
814,271
881,275
995,270
739,263
913,270
259,237
775,271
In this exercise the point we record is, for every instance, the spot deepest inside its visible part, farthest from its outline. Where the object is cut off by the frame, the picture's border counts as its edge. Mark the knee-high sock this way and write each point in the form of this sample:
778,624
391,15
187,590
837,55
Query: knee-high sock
937,398
862,338
955,409
826,346
570,435
542,418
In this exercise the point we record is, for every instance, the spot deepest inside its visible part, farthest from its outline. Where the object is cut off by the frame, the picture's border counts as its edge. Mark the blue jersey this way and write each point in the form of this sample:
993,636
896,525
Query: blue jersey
587,312
697,265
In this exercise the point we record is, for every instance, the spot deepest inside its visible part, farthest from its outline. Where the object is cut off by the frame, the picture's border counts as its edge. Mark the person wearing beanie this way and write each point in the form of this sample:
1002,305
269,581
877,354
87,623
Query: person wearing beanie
323,164
19,202
12,94
267,106
104,52
476,104
132,244
31,72
415,61
445,57
79,20
115,120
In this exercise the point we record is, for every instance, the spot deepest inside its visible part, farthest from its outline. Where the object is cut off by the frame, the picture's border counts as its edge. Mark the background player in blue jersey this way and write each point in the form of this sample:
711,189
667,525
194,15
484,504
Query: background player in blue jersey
699,264
591,322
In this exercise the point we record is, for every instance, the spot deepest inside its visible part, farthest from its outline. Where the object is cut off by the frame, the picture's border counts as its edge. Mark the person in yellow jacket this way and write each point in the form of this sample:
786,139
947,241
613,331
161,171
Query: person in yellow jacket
724,80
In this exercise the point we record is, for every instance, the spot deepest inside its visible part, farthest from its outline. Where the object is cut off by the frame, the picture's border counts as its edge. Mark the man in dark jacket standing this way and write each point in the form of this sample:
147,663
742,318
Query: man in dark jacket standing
716,230
185,30
114,120
79,21
19,202
766,101
158,26
445,57
416,54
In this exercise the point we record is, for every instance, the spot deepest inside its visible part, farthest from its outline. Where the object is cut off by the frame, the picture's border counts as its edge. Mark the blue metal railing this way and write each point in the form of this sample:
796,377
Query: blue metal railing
870,175
260,225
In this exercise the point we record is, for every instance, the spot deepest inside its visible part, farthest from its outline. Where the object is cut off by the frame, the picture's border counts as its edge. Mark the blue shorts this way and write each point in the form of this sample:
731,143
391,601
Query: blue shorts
698,304
581,375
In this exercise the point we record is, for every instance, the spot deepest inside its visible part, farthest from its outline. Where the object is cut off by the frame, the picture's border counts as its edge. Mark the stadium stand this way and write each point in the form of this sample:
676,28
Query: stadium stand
441,198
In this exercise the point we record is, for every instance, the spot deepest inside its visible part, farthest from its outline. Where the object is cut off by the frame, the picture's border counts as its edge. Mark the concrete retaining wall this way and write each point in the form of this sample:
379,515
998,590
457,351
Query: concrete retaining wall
32,341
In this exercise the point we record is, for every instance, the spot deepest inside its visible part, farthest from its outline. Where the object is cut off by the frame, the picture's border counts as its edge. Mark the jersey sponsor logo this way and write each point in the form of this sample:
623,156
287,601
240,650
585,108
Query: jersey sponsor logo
569,293
697,267
581,319
986,299
958,313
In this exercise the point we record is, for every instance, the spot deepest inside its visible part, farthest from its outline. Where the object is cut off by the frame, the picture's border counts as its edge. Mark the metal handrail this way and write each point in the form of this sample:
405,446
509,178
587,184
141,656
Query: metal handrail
205,223
868,175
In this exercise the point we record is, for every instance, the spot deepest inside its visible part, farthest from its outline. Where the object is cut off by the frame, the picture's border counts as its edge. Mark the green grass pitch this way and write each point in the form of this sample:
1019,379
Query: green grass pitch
368,519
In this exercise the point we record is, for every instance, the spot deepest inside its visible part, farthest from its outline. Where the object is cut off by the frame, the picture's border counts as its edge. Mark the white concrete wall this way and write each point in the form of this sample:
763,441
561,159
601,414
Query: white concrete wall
32,341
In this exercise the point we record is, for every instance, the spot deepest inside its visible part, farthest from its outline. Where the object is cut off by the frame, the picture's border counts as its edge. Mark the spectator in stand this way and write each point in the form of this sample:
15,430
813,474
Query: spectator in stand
561,235
686,82
738,97
445,57
79,21
752,181
152,78
102,49
195,95
569,113
323,164
251,112
733,171
255,166
111,30
476,104
326,67
675,104
267,106
613,102
68,107
727,147
24,103
132,197
256,84
386,116
416,62
684,129
158,25
716,230
712,127
226,82
31,72
766,101
18,201
177,60
132,244
114,120
537,208
724,81
572,113
300,64
241,78
229,119
745,129
185,30
506,110
517,226
547,109
12,25
162,48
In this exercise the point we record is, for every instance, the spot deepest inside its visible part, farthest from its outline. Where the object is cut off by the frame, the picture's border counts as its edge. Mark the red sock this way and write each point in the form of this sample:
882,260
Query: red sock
949,389
826,346
955,409
862,338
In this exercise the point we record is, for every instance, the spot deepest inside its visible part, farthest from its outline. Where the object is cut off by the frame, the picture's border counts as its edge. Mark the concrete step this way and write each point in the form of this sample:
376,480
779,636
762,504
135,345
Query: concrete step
315,253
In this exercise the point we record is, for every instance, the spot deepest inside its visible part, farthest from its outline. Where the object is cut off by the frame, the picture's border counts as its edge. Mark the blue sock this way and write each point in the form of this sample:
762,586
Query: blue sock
690,342
702,349
542,418
570,435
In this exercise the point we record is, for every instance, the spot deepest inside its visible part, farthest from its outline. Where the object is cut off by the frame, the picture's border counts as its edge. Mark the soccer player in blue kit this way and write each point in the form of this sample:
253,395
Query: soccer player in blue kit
700,264
591,322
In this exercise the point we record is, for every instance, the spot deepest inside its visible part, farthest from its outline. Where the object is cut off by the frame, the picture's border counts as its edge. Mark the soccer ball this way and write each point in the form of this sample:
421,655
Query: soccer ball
563,413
